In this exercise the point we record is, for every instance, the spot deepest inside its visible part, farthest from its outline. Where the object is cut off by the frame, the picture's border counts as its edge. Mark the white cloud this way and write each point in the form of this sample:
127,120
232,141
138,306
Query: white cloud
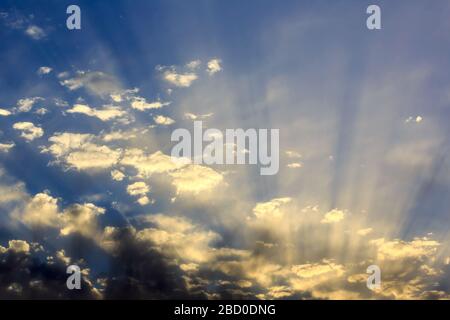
162,120
214,66
25,105
97,83
146,165
271,209
16,246
397,249
333,216
294,165
293,154
79,151
117,175
44,70
141,104
5,113
35,32
138,188
192,116
104,114
417,119
194,64
195,179
29,130
5,147
42,211
179,79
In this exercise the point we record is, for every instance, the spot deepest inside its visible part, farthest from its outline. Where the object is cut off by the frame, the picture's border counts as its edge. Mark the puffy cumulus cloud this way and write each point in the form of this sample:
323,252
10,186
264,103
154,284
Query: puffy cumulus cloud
418,248
139,189
35,32
42,211
28,130
106,113
4,112
26,104
214,66
271,209
195,179
308,276
5,147
182,80
334,216
141,104
163,120
117,175
179,238
44,70
16,246
95,82
79,151
148,164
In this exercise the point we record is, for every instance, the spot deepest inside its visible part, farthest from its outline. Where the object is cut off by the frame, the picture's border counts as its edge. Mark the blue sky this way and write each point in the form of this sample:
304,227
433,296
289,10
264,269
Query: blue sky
85,124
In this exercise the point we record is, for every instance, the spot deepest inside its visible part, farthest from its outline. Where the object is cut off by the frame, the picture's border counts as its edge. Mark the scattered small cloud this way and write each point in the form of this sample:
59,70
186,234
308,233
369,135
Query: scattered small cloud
44,70
162,120
333,216
28,130
35,32
214,66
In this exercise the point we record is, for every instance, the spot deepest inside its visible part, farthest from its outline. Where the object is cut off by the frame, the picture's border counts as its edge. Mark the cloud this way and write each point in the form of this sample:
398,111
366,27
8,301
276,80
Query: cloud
26,275
182,80
5,147
44,70
42,211
214,66
79,151
364,232
192,116
25,105
194,64
117,175
138,188
162,120
293,154
333,216
398,250
28,130
35,32
271,209
106,113
141,104
195,179
95,82
177,237
147,165
417,119
294,165
5,113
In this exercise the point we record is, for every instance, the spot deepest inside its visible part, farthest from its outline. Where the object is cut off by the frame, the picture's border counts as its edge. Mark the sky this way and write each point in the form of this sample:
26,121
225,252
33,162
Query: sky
86,177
